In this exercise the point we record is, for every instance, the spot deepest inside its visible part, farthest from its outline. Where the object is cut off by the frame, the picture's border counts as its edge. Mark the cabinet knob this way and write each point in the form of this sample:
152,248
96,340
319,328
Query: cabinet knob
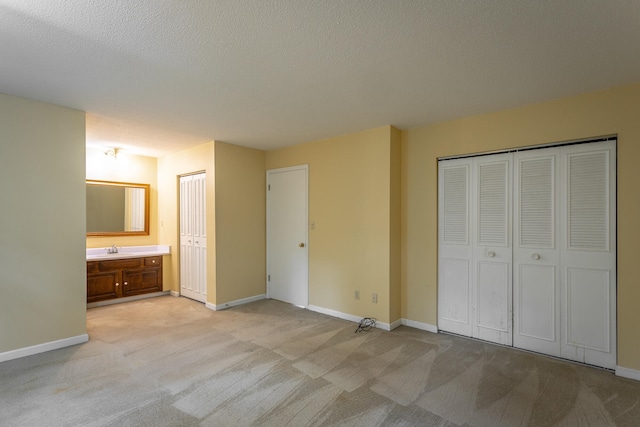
152,261
535,256
117,284
301,245
491,254
125,283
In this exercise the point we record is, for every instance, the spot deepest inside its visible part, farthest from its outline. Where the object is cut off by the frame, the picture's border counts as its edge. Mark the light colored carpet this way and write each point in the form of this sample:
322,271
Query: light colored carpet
171,362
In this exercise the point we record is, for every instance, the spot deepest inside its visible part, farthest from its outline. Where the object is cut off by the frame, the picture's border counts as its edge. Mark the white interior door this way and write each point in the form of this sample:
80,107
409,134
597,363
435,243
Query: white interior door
287,232
193,237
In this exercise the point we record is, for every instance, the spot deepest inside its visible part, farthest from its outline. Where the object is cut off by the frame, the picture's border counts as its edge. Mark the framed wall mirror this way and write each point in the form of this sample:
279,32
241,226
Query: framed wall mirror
117,208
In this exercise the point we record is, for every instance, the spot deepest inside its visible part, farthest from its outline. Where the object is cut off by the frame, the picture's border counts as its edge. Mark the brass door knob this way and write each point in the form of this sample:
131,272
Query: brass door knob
301,245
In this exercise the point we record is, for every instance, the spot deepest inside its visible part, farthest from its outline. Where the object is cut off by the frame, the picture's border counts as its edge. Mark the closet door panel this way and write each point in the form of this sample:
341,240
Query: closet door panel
455,292
588,254
454,246
492,303
588,313
199,263
492,251
193,237
536,254
186,236
536,304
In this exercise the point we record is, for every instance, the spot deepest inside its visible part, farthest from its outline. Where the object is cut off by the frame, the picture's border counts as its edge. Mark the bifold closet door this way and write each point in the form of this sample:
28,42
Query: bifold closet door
546,280
474,280
193,237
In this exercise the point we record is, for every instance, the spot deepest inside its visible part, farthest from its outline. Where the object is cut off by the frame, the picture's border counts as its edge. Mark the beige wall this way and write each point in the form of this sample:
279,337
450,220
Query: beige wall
170,167
350,203
240,223
42,223
607,112
235,217
127,168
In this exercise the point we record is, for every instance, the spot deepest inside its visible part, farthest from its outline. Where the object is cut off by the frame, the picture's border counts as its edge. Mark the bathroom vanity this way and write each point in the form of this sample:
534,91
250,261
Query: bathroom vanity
129,272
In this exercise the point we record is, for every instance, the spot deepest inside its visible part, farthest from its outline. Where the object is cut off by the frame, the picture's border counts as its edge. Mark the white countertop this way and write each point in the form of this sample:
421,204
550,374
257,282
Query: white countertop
94,254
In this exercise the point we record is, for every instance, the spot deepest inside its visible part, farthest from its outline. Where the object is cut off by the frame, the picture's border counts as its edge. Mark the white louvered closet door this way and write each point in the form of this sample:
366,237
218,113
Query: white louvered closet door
553,290
193,237
474,280
454,247
536,253
588,256
492,253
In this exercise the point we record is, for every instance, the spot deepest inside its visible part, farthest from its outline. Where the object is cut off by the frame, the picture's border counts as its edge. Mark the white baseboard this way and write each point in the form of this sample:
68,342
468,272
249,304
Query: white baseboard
419,325
346,316
223,306
396,324
384,326
174,293
632,374
41,348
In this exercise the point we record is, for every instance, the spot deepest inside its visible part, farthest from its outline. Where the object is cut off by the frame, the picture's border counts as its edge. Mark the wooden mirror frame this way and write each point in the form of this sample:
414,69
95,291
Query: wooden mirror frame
147,192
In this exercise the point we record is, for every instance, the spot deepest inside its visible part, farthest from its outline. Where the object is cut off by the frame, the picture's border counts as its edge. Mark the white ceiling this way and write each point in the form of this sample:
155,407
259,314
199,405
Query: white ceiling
156,76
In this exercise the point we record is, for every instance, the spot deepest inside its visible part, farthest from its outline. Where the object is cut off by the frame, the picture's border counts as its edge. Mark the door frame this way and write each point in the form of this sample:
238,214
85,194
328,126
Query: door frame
305,168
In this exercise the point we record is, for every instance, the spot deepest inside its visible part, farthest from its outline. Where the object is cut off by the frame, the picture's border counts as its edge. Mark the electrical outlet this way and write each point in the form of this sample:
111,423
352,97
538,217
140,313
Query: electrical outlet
356,294
374,298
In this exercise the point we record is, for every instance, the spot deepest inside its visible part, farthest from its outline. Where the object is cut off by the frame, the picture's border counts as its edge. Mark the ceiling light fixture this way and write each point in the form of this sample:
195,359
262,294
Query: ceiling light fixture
113,152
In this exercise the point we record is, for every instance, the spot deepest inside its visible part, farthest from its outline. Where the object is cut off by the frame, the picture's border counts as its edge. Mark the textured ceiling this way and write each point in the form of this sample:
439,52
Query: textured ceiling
156,76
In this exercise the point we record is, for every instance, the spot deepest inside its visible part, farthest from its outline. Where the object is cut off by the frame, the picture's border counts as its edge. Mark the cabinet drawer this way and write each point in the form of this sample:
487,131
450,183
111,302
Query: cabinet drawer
119,264
92,267
153,261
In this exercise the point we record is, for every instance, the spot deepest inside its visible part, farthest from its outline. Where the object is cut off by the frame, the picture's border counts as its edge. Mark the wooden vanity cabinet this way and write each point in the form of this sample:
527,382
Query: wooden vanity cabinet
116,278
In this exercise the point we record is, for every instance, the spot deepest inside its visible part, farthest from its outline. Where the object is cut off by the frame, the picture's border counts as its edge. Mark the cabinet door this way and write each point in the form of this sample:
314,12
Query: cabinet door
141,281
103,286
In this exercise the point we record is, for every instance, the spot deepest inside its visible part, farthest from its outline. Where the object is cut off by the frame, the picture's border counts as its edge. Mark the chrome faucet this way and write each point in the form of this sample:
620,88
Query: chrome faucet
112,250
